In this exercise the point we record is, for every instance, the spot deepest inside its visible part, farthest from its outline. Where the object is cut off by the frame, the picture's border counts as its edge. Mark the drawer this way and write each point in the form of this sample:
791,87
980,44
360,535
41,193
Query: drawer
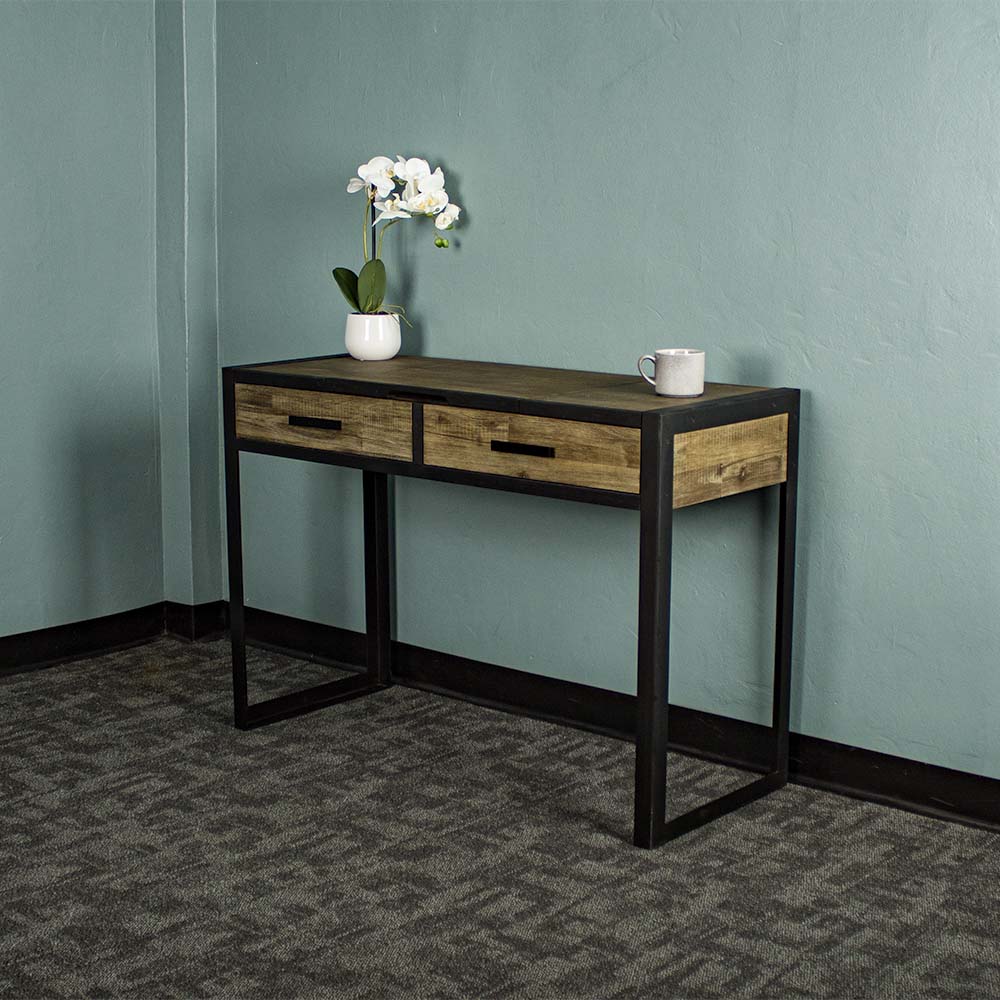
356,425
545,448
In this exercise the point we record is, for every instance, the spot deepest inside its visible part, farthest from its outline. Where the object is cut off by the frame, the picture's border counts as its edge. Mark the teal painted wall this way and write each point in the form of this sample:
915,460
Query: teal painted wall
187,298
171,302
807,190
79,485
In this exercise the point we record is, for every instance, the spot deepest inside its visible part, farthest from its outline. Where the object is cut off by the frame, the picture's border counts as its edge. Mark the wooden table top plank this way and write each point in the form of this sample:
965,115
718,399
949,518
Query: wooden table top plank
526,382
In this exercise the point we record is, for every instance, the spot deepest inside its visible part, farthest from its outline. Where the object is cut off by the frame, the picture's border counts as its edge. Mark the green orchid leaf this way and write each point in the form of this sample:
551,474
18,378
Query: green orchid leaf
347,281
371,286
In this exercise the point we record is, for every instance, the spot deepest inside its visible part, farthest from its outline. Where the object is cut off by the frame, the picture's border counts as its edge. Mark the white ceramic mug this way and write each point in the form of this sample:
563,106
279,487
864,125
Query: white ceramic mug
679,371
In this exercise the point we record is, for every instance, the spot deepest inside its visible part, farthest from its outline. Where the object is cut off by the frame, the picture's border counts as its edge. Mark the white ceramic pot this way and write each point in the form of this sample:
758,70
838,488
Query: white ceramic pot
372,336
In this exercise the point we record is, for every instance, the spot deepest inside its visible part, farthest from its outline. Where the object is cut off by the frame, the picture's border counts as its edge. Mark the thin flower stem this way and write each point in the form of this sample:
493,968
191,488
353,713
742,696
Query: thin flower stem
381,235
364,227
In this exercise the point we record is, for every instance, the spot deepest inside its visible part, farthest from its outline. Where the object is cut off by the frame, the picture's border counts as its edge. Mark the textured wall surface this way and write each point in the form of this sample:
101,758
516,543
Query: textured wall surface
807,190
187,321
79,488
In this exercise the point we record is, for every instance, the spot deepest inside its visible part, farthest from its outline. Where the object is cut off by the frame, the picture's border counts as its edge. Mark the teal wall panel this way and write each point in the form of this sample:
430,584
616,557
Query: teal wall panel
187,300
79,484
807,190
171,302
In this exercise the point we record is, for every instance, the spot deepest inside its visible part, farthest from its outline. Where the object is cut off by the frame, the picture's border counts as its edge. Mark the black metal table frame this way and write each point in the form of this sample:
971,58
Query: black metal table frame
655,505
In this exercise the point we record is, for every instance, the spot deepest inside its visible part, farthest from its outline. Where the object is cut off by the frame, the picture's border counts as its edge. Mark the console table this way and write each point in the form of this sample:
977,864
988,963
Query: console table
571,435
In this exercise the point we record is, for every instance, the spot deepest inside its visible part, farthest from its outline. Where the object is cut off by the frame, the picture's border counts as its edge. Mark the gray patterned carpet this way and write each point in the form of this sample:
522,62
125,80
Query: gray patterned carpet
412,846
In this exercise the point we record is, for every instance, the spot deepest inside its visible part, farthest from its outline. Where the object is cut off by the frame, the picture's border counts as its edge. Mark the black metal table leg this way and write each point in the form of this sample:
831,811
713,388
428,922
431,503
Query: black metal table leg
377,596
785,596
234,543
656,510
656,474
378,576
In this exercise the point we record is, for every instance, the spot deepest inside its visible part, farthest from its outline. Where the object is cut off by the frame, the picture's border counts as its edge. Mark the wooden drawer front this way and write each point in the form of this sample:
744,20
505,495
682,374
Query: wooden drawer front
357,425
720,461
544,448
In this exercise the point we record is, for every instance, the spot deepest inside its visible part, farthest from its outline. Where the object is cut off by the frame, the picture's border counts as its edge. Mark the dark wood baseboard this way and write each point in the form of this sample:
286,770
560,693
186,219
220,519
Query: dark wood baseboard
195,621
48,646
306,640
940,792
726,741
929,789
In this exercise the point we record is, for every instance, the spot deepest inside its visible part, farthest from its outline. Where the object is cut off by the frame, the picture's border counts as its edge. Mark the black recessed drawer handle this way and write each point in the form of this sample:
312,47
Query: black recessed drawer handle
324,422
516,448
418,397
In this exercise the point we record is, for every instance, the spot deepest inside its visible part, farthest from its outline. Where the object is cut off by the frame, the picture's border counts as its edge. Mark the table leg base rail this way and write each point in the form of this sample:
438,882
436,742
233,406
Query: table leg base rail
308,700
693,819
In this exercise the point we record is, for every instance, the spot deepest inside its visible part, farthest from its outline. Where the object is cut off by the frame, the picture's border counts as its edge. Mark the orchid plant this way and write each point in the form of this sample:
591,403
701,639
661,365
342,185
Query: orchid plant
404,189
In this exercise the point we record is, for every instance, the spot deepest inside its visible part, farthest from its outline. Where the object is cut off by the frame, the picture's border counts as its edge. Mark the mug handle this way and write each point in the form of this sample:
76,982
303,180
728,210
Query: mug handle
648,357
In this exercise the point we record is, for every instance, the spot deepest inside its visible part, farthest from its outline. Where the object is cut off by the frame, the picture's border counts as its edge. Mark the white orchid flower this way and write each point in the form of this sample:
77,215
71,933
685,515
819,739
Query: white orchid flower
431,182
412,169
446,218
426,194
410,191
391,208
375,173
427,202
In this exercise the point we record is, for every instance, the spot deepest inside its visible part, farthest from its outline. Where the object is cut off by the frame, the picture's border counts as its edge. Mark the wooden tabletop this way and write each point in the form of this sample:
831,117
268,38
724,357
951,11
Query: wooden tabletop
546,385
